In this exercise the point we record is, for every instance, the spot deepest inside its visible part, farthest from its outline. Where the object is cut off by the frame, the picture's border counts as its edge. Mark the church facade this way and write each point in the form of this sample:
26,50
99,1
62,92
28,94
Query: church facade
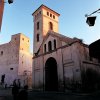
58,60
16,61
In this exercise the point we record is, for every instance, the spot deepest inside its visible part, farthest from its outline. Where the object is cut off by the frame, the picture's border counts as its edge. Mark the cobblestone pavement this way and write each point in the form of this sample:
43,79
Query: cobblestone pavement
5,94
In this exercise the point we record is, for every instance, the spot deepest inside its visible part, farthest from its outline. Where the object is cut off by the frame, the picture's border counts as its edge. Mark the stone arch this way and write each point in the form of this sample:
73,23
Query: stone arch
51,75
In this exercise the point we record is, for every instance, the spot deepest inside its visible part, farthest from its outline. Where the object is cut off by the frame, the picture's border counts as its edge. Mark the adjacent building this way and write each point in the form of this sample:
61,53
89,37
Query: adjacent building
16,60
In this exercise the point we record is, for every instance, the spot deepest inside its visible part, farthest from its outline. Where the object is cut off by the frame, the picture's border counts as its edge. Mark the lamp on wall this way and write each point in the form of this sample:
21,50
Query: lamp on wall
10,1
91,20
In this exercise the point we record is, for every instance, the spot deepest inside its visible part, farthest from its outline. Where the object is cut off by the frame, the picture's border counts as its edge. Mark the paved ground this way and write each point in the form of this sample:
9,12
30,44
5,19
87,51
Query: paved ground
5,94
62,96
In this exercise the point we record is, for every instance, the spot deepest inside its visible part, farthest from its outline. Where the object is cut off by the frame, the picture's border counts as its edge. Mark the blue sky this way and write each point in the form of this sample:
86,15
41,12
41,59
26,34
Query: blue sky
18,18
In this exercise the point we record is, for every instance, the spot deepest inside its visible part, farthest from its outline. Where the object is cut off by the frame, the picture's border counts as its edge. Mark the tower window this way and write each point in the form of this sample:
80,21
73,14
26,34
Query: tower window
48,13
23,39
37,25
50,26
37,37
1,52
54,44
53,17
45,48
49,46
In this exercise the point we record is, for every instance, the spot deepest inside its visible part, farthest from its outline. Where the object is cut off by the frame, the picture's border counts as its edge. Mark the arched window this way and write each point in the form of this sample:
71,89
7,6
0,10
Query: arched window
37,25
45,48
48,13
50,25
37,37
54,44
53,17
49,46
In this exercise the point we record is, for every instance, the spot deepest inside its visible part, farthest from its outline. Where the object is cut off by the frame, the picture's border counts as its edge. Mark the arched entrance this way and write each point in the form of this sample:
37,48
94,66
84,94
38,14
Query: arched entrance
51,75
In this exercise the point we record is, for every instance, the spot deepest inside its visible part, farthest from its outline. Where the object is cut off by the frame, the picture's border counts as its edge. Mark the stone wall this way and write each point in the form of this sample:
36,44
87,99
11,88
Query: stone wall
69,65
15,58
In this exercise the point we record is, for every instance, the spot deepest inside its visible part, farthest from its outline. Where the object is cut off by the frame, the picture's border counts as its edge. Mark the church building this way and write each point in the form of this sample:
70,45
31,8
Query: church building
58,60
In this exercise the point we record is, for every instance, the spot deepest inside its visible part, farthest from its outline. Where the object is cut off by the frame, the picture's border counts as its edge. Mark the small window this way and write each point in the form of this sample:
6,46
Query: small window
11,68
22,62
49,46
15,38
48,13
23,39
37,37
37,25
54,44
28,40
45,48
50,26
1,52
53,17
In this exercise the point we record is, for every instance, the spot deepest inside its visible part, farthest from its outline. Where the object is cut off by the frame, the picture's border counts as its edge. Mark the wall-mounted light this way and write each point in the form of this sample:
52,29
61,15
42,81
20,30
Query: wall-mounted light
10,1
91,20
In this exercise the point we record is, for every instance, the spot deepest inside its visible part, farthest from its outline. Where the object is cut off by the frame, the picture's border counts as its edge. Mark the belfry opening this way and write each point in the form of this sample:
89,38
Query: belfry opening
51,75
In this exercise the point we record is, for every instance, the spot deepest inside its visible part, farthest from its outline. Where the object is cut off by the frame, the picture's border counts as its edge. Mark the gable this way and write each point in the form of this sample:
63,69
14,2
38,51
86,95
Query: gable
50,38
54,41
50,41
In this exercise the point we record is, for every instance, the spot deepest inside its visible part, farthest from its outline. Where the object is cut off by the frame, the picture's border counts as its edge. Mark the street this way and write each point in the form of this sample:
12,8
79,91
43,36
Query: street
5,94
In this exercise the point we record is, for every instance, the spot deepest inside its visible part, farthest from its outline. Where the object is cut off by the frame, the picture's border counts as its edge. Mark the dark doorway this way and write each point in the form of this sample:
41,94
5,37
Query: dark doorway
51,75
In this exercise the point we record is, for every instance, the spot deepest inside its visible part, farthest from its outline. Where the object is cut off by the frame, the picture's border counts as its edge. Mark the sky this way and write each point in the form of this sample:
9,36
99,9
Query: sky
17,18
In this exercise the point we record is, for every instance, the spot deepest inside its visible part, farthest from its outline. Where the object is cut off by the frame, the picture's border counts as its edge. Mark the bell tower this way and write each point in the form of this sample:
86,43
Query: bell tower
45,19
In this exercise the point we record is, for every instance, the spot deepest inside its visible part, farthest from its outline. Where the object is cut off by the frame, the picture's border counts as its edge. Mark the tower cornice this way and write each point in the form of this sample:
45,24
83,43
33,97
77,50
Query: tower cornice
45,7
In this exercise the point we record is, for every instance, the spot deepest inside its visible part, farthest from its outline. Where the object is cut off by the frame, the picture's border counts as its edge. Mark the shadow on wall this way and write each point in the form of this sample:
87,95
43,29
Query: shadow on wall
90,80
